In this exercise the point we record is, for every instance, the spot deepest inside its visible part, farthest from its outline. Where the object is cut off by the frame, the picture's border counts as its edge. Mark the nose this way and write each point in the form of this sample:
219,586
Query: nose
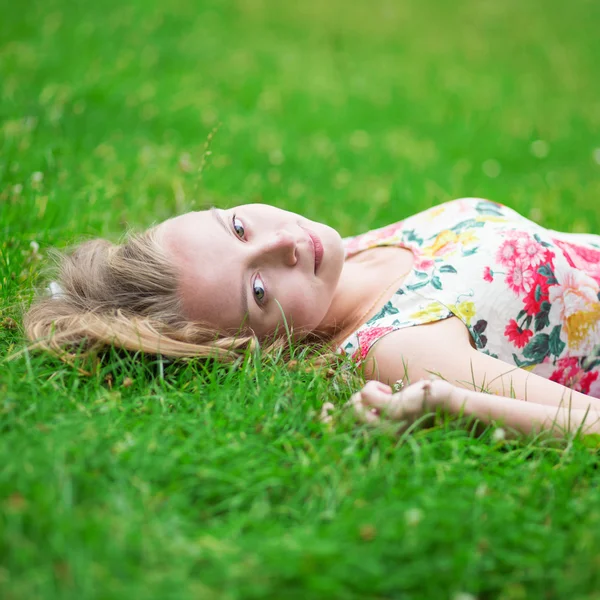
281,246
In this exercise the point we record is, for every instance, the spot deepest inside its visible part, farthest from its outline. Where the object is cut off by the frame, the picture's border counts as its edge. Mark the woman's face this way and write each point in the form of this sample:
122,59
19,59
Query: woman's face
240,268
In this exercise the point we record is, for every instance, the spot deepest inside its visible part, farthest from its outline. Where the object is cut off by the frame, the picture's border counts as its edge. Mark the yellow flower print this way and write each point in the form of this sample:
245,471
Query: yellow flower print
435,212
444,243
492,219
448,242
580,324
432,311
467,237
464,310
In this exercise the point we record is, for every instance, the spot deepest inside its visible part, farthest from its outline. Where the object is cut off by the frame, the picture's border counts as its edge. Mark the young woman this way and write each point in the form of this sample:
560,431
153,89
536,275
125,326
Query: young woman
469,292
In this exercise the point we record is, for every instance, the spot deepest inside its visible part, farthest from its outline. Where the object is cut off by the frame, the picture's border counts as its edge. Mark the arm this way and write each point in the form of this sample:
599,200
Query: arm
526,417
443,349
376,400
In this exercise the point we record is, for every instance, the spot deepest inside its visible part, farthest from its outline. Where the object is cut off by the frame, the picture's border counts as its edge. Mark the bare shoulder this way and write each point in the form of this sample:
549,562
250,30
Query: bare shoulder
416,352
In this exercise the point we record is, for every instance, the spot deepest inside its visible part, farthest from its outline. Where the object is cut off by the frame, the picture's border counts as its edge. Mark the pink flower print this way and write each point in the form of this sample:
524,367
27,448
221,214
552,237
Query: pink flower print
388,235
519,278
422,263
352,245
519,337
508,252
581,257
488,275
368,336
575,292
530,252
388,231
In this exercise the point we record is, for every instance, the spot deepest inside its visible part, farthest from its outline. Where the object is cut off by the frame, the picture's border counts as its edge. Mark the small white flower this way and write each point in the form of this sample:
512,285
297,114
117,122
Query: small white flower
35,247
499,434
37,177
55,290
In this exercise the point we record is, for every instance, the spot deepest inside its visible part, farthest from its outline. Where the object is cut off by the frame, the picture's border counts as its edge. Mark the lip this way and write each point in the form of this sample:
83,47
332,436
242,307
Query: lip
317,249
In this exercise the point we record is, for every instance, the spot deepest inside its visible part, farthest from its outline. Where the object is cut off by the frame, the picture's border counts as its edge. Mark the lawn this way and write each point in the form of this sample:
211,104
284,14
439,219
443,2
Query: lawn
144,478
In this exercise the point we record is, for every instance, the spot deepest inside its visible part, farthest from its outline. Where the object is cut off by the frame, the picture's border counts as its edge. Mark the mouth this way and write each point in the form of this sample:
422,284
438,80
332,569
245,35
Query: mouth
317,249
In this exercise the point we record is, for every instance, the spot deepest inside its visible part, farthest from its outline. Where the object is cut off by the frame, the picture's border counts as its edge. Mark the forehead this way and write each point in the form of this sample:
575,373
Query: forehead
192,240
205,259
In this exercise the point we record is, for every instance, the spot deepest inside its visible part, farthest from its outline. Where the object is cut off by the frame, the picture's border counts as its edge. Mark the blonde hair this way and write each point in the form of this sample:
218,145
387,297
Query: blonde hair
124,295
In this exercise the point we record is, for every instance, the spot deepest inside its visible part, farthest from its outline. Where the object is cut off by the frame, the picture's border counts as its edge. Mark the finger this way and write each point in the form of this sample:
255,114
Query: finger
381,401
377,392
350,404
383,387
410,403
363,413
374,386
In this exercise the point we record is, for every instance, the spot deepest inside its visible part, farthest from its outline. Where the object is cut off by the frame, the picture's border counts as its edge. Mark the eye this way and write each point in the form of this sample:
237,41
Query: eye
258,289
238,227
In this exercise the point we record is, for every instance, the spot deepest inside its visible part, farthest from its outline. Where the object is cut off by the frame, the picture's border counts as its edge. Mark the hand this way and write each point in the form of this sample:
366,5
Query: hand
376,400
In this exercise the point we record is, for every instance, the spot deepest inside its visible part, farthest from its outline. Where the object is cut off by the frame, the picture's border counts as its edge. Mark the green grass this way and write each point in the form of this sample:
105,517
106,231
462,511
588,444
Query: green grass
204,482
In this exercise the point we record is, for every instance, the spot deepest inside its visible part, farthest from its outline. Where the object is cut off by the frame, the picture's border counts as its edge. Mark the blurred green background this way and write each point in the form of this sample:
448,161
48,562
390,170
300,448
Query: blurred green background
354,113
194,483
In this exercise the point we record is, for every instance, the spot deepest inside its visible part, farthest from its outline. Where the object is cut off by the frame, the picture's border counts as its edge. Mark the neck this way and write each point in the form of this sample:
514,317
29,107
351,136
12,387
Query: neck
349,302
364,286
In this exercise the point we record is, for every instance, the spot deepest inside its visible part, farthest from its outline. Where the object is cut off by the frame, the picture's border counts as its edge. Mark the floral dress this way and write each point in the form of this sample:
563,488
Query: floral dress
528,295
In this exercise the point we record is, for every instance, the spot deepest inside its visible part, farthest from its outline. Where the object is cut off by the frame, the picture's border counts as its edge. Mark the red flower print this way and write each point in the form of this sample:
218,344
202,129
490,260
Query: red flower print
537,294
368,337
567,372
587,380
488,275
519,337
531,305
542,281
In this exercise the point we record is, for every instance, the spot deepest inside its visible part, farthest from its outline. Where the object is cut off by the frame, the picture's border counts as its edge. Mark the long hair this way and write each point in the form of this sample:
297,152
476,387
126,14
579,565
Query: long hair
124,295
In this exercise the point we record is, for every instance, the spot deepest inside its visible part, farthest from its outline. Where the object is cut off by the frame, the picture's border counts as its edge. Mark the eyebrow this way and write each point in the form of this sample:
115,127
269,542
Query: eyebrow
244,291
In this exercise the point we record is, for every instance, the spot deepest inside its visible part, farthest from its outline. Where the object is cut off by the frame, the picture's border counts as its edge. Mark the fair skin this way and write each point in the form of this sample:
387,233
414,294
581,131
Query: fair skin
258,268
449,374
